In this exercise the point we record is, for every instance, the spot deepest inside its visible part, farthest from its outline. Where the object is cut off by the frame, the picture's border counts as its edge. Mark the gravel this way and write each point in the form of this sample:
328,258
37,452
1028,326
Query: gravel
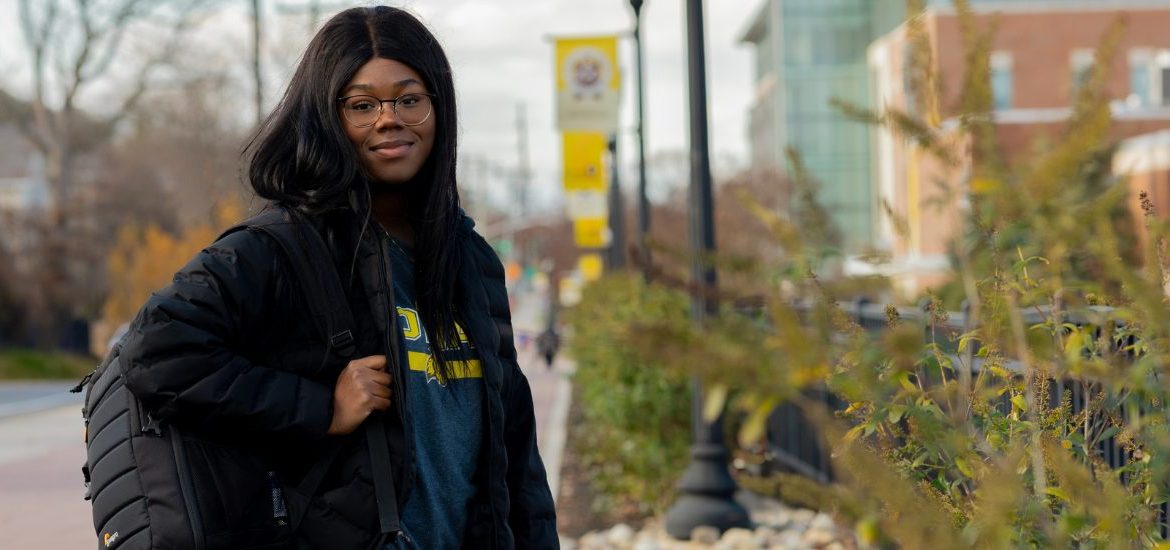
774,526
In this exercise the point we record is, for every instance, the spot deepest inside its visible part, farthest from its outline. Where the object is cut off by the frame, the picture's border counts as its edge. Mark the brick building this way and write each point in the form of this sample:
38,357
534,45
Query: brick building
1041,52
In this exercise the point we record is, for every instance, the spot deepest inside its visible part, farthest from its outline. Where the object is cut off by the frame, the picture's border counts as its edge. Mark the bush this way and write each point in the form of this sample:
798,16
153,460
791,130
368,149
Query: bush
636,412
35,365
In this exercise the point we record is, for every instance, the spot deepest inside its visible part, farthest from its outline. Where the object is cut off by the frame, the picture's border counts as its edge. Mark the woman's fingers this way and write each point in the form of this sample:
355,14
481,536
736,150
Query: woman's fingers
380,378
379,389
373,362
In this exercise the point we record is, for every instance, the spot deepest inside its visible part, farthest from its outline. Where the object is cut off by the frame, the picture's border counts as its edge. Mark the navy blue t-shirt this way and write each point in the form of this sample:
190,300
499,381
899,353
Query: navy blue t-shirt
447,416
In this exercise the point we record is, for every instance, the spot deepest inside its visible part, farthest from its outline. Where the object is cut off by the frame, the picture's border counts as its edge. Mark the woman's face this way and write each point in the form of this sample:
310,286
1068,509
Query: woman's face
390,151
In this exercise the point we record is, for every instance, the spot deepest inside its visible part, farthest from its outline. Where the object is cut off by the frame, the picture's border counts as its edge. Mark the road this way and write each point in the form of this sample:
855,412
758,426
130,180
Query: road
41,487
41,449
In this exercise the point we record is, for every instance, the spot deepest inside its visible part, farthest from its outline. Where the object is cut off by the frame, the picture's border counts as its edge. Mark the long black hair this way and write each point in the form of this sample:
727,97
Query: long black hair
301,156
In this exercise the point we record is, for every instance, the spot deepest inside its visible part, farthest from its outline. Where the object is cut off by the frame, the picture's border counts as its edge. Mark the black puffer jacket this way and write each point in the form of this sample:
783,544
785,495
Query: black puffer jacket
228,349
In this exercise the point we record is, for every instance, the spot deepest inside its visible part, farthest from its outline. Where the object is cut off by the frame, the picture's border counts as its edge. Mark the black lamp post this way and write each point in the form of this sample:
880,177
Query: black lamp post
617,219
706,488
643,202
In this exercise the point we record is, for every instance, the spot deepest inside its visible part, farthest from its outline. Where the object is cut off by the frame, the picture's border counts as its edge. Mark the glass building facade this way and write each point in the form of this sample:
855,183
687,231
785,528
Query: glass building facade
809,52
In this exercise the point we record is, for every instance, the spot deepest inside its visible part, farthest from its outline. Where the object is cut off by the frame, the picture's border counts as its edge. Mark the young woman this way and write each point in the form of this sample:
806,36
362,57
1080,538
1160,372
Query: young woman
363,144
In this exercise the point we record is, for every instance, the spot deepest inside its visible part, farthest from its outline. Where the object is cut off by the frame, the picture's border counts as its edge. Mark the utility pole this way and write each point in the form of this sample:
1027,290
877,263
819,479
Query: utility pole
706,488
314,15
257,73
523,169
312,9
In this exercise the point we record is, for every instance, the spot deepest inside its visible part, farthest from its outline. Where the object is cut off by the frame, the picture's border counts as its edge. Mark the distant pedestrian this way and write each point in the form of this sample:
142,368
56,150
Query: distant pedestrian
547,344
363,144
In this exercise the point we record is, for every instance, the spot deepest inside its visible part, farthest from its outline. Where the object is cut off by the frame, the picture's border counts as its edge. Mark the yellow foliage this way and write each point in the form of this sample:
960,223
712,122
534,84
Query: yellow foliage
145,258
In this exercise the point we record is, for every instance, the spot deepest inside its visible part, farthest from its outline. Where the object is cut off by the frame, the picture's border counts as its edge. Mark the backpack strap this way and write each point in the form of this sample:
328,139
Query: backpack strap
312,262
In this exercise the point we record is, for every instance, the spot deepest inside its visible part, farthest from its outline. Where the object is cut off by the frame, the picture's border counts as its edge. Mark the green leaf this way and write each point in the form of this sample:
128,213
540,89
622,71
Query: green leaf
1019,403
1001,372
904,379
1058,493
896,413
1074,345
715,400
964,466
757,422
1109,432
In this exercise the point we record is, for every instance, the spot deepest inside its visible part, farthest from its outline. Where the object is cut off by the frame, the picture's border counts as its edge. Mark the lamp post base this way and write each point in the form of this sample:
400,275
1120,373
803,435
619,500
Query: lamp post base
705,495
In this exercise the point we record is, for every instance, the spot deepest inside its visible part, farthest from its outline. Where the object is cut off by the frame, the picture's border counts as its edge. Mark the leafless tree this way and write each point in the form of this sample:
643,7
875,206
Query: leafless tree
80,50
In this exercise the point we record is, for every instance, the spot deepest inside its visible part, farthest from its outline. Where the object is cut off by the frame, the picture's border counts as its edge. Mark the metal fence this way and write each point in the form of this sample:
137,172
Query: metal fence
795,445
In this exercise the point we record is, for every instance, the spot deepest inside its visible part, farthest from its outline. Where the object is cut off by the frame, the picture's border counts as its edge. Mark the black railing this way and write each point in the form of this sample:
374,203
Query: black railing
796,445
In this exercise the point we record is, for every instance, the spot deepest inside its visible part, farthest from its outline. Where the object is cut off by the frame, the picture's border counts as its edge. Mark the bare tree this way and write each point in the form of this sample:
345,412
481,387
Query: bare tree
72,46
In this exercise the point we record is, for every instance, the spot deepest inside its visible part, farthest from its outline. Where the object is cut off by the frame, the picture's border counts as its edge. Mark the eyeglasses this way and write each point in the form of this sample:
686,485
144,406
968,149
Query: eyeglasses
364,110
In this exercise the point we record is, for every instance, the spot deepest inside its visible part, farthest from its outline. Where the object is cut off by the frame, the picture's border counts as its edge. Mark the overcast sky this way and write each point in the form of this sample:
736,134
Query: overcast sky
502,56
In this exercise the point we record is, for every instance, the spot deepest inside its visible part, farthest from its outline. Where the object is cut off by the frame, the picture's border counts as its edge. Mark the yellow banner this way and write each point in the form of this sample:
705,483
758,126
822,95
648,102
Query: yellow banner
588,84
584,155
591,232
590,266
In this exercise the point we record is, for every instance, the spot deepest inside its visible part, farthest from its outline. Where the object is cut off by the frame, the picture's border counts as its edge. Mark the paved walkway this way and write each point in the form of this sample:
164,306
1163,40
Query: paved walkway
41,486
551,391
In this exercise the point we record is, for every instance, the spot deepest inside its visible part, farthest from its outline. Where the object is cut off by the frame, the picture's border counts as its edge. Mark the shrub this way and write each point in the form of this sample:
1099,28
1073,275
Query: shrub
636,412
34,365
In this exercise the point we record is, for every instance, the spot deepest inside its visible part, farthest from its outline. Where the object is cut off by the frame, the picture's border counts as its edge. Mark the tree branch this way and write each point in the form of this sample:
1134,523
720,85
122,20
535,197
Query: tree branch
36,35
164,57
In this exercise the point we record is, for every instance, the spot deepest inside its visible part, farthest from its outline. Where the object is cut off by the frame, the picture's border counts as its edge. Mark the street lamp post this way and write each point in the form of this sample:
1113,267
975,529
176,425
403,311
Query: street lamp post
643,202
706,488
617,218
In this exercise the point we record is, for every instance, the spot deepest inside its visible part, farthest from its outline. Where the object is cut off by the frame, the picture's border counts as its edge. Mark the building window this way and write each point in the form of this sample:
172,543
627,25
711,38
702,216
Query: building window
1001,80
1080,64
1149,78
1140,78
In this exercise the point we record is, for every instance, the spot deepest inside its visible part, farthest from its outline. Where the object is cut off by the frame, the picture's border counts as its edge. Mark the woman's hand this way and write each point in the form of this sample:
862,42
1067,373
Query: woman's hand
362,388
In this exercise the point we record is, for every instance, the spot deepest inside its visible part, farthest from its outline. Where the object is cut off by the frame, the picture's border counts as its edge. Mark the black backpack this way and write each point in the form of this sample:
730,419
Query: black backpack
148,480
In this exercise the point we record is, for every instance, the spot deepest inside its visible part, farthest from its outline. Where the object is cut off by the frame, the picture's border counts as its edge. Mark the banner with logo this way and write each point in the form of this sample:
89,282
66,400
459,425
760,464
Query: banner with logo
588,84
584,161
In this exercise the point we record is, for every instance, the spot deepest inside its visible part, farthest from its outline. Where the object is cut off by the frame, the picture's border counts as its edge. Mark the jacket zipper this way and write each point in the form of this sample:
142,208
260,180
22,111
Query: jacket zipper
187,487
391,336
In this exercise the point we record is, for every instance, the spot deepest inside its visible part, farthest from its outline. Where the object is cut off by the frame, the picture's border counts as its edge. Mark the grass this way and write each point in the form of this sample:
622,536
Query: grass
26,364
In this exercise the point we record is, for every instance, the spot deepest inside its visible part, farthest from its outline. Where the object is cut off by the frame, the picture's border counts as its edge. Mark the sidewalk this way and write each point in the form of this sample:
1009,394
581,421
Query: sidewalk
41,486
551,391
551,395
